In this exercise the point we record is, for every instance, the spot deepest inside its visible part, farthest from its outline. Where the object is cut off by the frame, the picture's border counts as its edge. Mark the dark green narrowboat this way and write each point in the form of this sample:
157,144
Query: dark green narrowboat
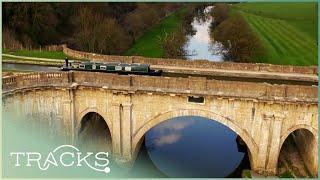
110,67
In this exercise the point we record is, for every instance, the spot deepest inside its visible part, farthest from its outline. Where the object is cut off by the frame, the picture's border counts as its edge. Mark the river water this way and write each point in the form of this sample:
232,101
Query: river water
201,45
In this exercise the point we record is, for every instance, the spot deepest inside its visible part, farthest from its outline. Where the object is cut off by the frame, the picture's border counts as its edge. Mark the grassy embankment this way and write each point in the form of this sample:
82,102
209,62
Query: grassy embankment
147,45
287,30
37,54
49,57
37,57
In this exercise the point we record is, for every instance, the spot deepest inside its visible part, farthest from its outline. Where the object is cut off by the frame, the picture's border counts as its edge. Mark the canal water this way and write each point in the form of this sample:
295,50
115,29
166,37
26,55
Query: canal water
27,67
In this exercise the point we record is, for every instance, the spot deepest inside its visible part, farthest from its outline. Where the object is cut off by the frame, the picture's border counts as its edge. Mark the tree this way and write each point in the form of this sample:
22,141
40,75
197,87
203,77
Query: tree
33,23
134,24
240,42
220,12
173,44
112,37
99,34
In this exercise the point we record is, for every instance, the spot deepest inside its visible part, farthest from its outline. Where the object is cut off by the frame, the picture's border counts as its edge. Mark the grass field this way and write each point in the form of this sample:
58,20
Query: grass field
287,30
147,45
38,54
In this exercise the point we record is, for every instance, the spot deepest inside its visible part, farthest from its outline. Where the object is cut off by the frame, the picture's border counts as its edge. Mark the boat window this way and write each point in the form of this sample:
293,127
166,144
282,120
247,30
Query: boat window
82,66
103,67
127,68
118,68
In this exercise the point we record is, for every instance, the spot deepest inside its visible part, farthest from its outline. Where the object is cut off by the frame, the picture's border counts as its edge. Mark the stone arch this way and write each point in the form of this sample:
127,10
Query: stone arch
296,127
95,110
93,131
252,146
307,129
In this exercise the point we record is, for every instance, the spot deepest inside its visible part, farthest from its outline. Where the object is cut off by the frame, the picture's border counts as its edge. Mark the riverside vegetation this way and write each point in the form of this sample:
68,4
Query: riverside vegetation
107,28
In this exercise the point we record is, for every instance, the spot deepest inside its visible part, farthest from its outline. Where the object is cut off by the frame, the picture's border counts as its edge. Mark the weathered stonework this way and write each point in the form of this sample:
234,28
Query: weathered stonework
262,115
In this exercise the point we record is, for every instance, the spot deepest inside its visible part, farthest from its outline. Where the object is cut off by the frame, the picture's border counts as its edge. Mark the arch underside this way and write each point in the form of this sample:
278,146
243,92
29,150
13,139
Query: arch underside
252,146
94,132
296,127
84,112
306,144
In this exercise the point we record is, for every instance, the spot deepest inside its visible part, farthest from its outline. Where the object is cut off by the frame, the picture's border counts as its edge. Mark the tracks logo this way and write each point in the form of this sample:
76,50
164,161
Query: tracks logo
65,156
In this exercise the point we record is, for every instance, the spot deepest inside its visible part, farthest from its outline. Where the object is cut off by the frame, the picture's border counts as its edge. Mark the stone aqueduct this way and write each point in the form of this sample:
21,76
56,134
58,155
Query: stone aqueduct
263,115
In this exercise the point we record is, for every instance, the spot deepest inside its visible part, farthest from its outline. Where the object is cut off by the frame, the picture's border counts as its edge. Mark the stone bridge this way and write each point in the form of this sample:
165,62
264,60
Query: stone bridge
262,114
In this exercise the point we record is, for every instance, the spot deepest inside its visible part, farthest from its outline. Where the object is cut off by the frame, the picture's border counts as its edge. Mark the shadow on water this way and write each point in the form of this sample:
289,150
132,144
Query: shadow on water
245,163
143,166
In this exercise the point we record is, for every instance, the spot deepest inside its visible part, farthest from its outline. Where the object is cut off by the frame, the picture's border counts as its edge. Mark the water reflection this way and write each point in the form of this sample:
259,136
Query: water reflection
200,45
193,147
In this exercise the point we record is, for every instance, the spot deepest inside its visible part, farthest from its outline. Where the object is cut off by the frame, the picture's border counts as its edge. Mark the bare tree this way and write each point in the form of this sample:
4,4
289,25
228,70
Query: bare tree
173,44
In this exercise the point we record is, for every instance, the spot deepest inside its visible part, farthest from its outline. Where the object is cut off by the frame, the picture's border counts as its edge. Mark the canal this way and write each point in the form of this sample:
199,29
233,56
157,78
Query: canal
27,67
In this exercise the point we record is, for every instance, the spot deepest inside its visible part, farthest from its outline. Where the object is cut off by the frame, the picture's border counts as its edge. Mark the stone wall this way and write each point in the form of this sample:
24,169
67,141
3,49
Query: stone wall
191,85
34,79
192,64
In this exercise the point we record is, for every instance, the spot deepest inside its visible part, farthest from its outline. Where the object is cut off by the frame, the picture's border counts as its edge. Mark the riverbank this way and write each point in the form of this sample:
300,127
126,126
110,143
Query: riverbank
147,45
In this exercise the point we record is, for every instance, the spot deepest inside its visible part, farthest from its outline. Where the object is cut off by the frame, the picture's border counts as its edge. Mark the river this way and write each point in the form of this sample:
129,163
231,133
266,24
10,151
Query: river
201,45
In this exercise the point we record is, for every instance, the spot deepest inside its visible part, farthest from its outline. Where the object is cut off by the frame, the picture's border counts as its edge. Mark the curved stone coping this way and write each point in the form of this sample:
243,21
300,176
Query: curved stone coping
170,85
205,64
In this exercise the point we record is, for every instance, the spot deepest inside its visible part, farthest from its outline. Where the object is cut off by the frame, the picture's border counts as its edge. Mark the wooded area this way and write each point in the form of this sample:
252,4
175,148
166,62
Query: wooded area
108,28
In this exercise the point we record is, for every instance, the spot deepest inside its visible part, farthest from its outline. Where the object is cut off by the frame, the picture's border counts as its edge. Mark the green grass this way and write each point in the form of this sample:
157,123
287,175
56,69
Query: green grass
38,54
246,174
301,15
287,31
147,45
286,174
49,62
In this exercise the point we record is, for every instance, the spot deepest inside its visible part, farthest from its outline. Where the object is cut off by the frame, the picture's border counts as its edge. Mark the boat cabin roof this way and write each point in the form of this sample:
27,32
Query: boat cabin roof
115,64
